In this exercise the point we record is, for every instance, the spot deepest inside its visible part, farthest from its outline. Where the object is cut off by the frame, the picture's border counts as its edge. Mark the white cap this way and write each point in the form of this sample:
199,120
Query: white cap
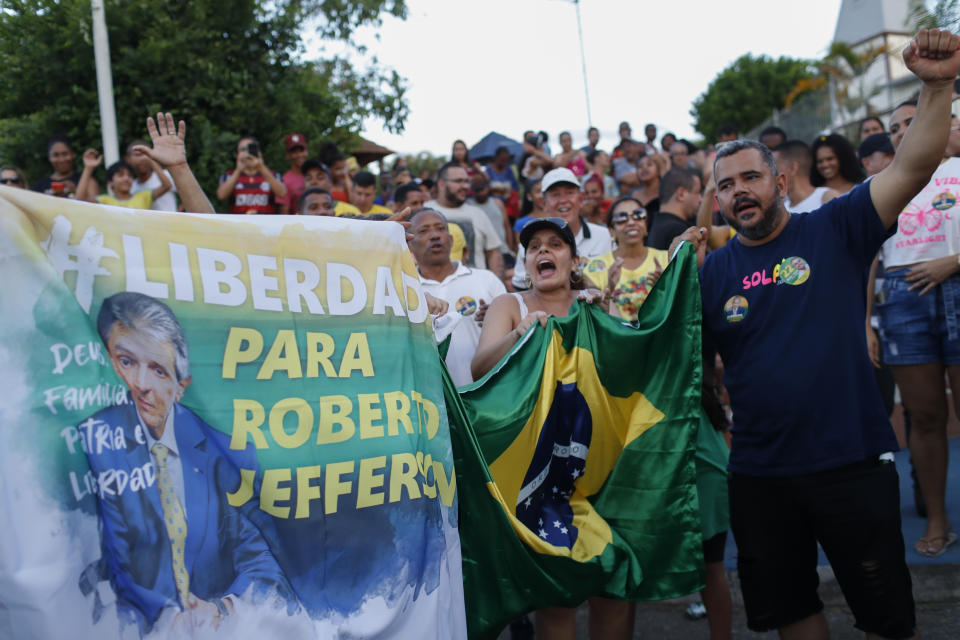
557,176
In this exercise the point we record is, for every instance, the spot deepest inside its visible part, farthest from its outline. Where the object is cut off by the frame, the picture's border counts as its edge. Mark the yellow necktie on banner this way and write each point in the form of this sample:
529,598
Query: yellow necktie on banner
173,519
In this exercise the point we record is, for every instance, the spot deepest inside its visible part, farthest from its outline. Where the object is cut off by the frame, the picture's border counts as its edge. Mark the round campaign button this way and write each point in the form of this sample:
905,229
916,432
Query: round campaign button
466,306
735,309
794,270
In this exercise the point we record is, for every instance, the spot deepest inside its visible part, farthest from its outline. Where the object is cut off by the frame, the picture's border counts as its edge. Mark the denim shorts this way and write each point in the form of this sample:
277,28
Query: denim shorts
917,329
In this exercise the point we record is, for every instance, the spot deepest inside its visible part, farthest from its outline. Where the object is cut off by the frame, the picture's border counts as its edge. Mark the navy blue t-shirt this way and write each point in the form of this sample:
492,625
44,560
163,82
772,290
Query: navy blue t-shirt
788,319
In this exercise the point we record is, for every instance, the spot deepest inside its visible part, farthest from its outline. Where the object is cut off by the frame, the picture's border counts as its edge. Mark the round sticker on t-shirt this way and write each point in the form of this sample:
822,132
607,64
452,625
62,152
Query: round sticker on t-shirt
596,266
944,201
794,270
735,309
466,306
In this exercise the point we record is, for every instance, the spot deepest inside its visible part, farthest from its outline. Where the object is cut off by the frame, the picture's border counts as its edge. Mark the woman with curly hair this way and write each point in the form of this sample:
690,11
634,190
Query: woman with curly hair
835,164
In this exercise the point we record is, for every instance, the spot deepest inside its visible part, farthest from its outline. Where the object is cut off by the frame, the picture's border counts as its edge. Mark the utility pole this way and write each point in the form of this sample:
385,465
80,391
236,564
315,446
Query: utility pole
583,62
108,113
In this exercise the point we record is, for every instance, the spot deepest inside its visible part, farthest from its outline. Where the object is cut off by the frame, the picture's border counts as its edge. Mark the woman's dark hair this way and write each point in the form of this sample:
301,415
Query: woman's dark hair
329,153
466,155
527,207
874,119
850,167
616,203
54,139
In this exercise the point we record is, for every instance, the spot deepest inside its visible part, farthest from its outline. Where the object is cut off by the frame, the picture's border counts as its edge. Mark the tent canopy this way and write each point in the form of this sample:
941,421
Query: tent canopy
489,143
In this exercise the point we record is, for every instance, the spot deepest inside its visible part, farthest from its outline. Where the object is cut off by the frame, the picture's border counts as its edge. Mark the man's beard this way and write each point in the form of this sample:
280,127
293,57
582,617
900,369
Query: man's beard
767,223
452,198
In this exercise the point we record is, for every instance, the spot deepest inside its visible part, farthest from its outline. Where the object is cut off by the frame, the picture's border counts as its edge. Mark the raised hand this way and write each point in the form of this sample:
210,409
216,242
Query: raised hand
91,159
168,149
655,275
933,56
613,276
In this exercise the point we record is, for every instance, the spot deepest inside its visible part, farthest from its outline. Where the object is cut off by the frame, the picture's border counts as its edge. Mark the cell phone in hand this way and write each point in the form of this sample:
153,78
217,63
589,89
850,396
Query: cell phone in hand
254,149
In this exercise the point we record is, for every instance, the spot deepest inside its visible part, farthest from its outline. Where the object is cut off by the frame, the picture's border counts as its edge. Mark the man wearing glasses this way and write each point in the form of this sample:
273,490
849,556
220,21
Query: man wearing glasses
12,177
628,273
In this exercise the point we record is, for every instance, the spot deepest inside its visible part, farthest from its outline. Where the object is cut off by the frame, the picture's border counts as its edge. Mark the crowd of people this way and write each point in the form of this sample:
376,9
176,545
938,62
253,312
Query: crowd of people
821,258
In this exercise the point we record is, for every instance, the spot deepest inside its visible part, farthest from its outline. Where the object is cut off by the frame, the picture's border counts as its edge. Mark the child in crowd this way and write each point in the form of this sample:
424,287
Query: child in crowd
120,177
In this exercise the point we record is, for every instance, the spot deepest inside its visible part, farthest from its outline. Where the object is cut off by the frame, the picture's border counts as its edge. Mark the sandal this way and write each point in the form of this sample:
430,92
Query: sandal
929,546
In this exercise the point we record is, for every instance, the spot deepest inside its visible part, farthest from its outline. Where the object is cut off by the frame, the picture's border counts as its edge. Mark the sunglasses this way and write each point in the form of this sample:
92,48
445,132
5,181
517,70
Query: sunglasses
622,216
9,180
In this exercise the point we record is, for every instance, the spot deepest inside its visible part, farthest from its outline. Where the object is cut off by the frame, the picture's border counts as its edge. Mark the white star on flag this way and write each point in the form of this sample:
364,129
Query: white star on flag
557,524
543,534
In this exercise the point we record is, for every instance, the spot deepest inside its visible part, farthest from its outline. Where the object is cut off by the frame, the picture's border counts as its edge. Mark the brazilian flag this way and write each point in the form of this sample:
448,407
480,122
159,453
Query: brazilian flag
575,460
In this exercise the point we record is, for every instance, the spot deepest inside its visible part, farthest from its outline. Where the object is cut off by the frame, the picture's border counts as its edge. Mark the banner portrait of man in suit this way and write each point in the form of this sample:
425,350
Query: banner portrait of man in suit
172,545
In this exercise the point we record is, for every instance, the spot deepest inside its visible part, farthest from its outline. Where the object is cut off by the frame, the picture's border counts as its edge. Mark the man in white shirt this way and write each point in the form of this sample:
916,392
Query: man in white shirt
562,198
467,291
146,178
793,160
453,186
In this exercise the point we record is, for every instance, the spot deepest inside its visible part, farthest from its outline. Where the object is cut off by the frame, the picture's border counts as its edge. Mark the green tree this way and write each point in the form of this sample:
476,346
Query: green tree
227,67
424,163
746,92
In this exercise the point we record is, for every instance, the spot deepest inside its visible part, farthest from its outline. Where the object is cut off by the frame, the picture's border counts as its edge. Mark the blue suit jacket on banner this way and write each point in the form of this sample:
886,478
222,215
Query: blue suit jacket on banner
225,552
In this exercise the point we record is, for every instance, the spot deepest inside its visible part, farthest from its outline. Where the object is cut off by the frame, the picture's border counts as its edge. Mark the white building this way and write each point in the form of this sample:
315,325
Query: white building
867,25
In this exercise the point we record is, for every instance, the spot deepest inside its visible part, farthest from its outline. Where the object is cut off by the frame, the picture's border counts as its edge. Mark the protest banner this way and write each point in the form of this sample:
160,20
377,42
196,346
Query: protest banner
581,480
219,425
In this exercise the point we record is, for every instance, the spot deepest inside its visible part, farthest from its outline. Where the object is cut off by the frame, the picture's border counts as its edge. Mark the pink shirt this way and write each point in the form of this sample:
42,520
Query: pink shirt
295,187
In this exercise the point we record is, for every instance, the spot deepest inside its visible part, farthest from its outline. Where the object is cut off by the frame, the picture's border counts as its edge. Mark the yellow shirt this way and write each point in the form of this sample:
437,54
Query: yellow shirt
459,242
632,289
352,209
379,208
344,208
139,200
